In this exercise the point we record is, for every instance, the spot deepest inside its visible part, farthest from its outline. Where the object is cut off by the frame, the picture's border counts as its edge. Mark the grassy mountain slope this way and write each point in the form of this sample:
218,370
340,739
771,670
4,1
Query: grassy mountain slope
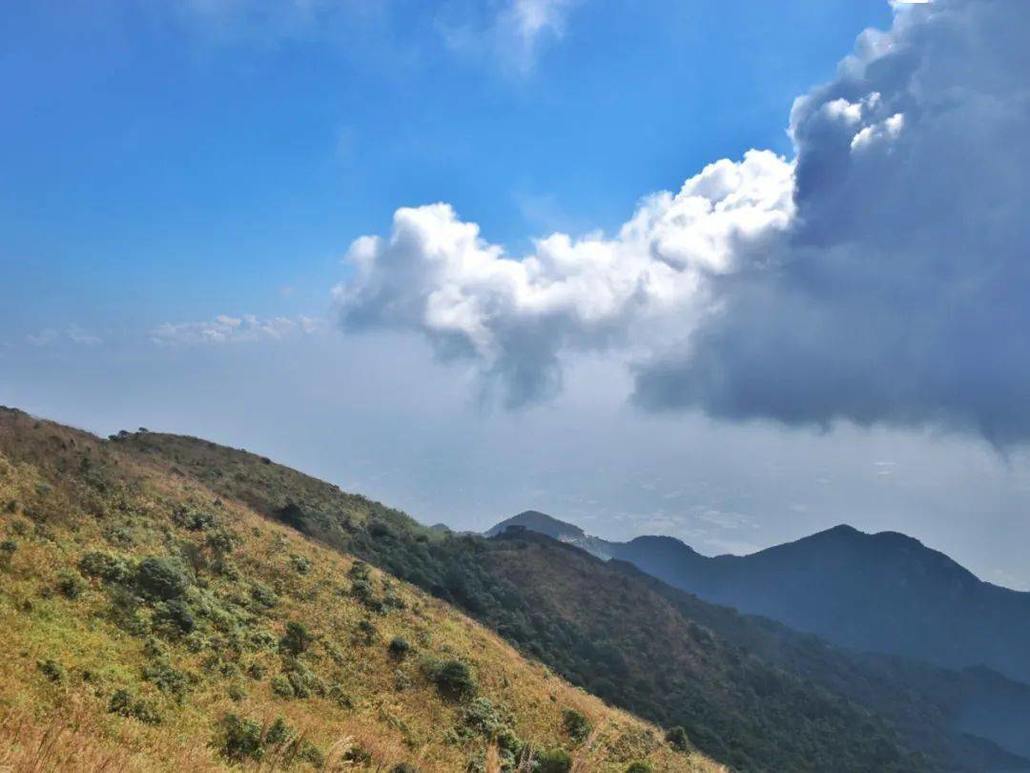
742,709
151,623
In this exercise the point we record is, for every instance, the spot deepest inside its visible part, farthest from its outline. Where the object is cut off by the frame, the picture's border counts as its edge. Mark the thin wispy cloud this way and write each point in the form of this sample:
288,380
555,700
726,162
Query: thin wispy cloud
530,24
72,334
225,329
514,36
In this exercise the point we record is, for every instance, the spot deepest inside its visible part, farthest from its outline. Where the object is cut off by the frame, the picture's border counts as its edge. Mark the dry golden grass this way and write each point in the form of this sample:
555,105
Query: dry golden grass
396,715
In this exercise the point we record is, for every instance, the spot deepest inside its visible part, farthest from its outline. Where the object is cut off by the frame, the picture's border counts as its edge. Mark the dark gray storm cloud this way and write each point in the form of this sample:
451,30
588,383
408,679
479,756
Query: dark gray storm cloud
901,291
880,276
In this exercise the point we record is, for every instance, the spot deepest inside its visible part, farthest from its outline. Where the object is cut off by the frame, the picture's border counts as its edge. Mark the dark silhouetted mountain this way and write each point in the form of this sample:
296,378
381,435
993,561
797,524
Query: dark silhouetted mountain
883,592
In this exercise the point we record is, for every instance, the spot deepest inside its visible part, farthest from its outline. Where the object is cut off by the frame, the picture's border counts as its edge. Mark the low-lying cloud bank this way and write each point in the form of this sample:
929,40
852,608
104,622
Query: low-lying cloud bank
879,276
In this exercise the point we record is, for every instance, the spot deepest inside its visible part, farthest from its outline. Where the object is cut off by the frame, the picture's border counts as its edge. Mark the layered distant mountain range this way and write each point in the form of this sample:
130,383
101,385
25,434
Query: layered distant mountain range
883,592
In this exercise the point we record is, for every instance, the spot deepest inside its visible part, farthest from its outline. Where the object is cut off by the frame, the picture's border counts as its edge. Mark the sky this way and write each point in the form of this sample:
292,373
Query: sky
734,272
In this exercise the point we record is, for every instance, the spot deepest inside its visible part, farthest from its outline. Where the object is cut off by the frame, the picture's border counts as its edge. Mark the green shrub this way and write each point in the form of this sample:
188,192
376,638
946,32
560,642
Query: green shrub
278,733
483,718
166,678
452,678
359,571
123,703
174,616
105,567
263,595
677,738
339,696
639,767
7,550
281,686
366,631
193,520
362,590
297,639
399,647
311,754
221,542
576,725
241,739
403,767
301,565
70,585
52,670
163,577
554,761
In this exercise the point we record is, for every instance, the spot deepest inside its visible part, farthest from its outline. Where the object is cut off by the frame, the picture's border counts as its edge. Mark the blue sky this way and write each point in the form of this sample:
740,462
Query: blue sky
823,324
209,159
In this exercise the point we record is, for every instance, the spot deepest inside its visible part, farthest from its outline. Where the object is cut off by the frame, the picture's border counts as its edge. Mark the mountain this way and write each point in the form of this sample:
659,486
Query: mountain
151,623
743,695
162,578
796,726
883,592
541,523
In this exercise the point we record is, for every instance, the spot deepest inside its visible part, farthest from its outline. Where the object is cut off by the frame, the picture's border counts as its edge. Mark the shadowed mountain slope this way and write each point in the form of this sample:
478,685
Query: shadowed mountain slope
883,592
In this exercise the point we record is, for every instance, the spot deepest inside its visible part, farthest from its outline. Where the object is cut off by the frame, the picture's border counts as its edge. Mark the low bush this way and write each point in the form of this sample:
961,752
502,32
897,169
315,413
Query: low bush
105,567
677,738
241,739
399,647
174,617
366,631
301,565
52,670
70,585
162,577
554,761
278,733
453,678
7,550
123,703
166,678
263,595
297,639
577,726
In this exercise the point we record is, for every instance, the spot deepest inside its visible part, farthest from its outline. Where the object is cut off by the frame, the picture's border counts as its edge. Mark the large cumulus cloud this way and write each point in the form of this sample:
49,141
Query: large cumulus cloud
879,276
435,274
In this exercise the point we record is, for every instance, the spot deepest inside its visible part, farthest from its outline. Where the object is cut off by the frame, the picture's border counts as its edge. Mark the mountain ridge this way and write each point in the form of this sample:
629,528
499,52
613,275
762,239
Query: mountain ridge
748,692
881,592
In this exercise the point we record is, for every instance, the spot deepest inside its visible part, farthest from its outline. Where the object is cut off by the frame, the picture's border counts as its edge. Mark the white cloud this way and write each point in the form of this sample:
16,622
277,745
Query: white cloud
434,273
225,329
512,33
879,276
527,23
71,334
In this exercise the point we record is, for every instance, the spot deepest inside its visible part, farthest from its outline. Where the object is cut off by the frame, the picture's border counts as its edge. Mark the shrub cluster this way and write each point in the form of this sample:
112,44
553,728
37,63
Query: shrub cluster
577,726
453,678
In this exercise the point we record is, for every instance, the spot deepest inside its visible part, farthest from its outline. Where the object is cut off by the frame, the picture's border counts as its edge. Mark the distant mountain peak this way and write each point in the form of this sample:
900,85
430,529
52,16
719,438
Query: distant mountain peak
534,520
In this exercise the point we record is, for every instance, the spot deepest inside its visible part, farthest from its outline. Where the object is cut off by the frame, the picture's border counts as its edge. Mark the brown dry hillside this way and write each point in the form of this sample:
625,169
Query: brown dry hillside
150,623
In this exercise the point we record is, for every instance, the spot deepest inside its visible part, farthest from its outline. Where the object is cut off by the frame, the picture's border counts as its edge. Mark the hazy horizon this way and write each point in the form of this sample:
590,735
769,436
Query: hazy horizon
734,278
